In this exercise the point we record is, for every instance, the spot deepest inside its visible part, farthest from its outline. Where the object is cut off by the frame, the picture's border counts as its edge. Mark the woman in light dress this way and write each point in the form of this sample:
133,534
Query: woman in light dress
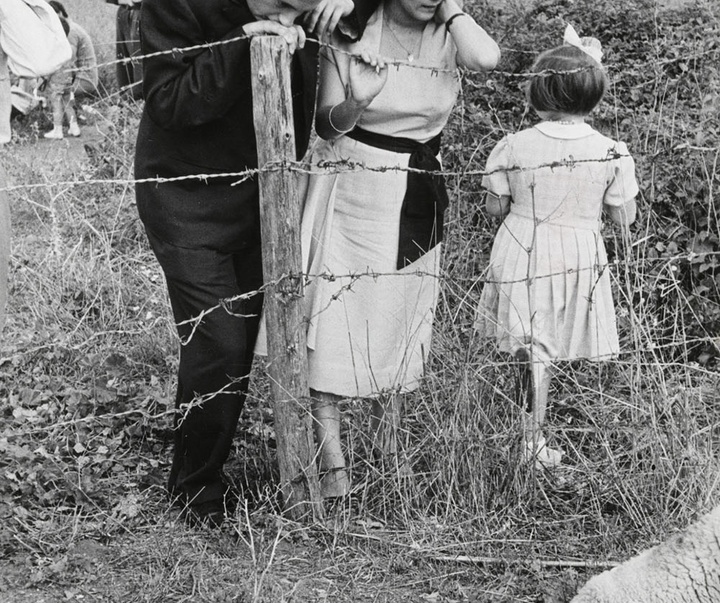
371,237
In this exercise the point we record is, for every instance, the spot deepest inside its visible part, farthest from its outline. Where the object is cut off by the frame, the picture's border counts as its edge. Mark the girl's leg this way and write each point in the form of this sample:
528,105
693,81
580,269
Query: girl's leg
326,414
69,109
533,388
58,111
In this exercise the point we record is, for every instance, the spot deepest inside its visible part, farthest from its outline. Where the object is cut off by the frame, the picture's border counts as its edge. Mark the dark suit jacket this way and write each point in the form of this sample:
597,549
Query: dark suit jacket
198,119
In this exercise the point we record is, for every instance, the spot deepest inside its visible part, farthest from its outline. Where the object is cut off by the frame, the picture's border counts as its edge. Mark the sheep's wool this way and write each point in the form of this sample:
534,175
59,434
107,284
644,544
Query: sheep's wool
683,569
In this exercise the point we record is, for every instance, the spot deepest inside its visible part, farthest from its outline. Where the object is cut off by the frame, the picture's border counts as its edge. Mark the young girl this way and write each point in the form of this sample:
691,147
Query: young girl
548,294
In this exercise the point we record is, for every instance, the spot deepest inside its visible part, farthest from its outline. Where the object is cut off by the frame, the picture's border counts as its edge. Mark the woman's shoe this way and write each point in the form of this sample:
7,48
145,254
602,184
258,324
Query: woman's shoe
74,129
334,483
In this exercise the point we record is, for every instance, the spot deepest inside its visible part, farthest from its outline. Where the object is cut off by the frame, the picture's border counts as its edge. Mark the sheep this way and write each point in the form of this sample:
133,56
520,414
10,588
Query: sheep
683,569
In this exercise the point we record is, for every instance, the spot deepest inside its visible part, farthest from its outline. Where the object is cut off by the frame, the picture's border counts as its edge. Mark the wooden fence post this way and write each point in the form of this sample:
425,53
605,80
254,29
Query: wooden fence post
282,268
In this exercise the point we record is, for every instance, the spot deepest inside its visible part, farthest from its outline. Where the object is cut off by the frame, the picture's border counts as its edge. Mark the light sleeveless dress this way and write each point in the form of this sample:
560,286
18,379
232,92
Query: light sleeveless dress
370,324
548,282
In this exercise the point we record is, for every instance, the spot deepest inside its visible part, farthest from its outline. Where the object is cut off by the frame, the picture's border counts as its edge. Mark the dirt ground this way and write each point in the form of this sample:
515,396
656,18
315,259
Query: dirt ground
69,152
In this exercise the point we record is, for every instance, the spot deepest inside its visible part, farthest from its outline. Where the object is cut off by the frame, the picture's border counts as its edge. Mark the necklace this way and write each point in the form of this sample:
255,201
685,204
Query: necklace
417,41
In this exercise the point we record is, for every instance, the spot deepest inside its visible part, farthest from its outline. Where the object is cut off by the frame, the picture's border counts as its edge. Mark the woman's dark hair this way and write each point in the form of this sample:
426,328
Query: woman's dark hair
58,8
567,81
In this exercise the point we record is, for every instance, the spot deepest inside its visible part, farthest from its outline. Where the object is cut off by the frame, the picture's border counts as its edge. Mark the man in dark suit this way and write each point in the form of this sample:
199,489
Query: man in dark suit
198,120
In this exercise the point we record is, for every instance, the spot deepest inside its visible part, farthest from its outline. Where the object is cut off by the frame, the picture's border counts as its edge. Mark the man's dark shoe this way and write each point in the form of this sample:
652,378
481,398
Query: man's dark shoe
209,513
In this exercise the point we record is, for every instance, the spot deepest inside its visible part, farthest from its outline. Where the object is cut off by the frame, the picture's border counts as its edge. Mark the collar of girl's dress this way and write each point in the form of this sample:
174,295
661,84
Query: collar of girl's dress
570,131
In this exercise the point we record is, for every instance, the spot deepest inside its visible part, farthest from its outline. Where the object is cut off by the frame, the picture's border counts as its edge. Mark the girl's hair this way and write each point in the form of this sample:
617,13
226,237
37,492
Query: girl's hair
576,88
65,25
59,8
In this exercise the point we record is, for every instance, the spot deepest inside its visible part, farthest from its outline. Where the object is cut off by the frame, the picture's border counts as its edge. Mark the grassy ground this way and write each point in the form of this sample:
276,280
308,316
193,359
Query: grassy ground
88,356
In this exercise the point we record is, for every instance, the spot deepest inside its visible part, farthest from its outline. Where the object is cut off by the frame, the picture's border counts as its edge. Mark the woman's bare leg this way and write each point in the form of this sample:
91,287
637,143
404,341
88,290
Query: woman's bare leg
326,414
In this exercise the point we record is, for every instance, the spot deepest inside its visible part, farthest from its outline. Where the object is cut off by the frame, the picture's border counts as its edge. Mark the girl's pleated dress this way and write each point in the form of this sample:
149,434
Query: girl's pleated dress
370,323
548,281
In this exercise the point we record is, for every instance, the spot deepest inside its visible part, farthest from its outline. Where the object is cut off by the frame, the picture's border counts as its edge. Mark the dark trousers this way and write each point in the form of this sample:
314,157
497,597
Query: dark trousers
129,74
215,358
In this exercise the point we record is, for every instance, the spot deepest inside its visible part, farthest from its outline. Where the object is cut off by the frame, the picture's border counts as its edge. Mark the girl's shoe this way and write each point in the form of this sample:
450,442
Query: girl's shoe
543,456
74,129
55,134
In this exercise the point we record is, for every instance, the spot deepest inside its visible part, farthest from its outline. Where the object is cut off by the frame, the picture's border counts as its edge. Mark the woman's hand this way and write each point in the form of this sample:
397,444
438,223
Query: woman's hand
476,49
323,19
367,77
446,9
294,35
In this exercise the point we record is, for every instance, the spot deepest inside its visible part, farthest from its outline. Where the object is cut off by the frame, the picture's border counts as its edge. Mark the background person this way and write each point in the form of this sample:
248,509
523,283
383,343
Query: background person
85,71
59,91
127,40
205,232
369,336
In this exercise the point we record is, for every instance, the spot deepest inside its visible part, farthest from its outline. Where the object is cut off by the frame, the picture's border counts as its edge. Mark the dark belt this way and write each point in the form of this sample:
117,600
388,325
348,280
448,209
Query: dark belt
423,208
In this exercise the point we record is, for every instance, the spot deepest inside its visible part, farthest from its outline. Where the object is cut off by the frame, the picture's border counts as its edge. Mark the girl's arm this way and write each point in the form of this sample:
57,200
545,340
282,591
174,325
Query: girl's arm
623,188
623,214
476,49
340,106
497,205
85,59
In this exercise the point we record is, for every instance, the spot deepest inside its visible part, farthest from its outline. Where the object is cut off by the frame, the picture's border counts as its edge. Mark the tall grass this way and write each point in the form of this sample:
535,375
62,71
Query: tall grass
87,365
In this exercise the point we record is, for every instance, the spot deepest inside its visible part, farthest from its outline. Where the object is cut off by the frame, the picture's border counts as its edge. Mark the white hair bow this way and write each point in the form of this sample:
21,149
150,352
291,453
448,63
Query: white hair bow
590,46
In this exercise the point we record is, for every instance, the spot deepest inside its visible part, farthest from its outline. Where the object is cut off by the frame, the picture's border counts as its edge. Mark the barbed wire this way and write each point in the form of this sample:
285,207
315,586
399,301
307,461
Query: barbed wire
342,165
634,359
346,281
628,357
178,50
327,167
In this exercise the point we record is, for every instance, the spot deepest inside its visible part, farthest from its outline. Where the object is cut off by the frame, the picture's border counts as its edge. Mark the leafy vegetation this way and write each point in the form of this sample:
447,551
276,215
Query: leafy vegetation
88,356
